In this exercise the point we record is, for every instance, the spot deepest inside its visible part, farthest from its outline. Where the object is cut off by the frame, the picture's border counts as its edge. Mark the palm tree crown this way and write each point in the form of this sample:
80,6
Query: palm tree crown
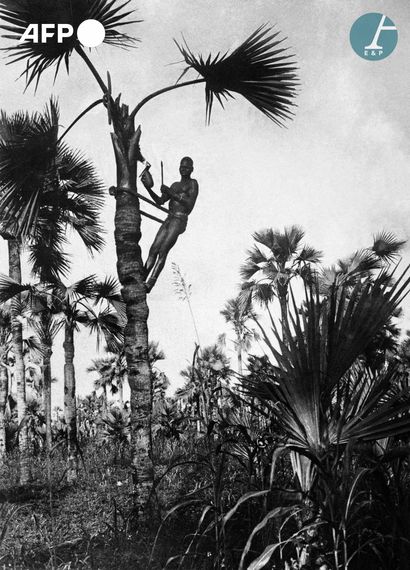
258,70
268,271
46,187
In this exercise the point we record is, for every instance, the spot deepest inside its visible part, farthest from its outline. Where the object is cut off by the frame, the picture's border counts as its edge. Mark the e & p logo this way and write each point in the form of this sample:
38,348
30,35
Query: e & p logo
373,36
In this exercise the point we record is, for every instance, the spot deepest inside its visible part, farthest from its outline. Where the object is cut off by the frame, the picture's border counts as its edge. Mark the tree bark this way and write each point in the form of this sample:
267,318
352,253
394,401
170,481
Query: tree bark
131,276
121,394
17,345
70,410
239,353
284,316
4,384
47,394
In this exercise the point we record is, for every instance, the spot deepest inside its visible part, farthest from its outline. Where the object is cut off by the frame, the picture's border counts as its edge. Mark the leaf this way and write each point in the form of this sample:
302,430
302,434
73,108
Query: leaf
275,513
259,70
243,499
264,558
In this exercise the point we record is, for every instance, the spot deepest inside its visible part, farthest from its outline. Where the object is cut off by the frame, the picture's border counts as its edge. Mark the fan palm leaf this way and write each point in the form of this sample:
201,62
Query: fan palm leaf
386,246
45,188
17,15
54,184
259,69
322,394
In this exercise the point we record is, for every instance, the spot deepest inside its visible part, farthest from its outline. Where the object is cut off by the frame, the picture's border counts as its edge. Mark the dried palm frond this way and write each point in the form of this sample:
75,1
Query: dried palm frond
258,69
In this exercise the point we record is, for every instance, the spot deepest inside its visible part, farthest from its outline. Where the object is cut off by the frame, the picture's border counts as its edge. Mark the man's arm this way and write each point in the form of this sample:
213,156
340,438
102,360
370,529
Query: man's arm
148,182
188,201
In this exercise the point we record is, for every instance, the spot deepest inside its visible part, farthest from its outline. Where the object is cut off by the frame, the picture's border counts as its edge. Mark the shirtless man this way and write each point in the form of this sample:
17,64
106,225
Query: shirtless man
182,197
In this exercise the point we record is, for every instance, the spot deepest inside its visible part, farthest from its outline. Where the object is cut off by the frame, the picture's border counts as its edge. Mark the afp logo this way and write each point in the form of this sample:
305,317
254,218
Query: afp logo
373,36
90,33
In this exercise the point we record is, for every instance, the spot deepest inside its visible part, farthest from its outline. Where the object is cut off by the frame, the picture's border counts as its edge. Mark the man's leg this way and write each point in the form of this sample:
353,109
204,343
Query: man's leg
155,248
174,229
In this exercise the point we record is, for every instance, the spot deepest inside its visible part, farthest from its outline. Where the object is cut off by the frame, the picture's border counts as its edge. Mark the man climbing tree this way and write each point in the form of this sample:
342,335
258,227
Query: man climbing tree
182,196
260,69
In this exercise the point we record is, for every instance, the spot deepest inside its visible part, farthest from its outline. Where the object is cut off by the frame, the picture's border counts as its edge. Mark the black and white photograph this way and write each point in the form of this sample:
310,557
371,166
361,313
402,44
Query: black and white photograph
204,285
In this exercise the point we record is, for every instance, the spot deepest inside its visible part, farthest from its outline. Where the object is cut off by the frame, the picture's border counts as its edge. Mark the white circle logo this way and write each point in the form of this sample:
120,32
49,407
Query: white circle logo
91,33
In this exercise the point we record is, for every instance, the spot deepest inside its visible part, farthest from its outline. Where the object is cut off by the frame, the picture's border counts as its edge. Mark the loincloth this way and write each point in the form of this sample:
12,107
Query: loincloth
180,215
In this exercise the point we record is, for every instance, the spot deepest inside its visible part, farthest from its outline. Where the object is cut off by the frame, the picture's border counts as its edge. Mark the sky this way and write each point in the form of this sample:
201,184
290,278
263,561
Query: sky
340,169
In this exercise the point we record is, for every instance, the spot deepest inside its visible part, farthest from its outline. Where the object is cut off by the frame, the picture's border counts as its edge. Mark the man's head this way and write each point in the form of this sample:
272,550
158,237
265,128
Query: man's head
187,166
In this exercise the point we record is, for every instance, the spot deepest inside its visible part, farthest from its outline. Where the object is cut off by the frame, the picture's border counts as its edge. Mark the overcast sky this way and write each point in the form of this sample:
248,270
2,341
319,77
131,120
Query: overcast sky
340,169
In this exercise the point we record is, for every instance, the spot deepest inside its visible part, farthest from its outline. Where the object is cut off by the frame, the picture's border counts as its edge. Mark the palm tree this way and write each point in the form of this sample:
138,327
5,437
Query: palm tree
5,332
74,304
268,272
45,188
319,389
204,382
362,264
238,315
259,69
106,370
55,306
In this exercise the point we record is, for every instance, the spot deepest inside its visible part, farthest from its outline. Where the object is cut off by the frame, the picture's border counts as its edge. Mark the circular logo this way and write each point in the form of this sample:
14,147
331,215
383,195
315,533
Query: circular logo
91,33
373,36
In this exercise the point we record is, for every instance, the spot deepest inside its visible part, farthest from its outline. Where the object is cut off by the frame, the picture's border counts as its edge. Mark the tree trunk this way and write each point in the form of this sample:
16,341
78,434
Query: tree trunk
121,394
4,382
239,353
131,276
284,316
17,344
47,394
70,410
105,400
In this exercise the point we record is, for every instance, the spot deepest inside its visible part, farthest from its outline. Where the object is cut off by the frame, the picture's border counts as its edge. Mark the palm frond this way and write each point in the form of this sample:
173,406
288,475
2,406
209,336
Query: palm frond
47,259
266,237
27,157
154,352
85,287
386,246
310,255
10,288
259,70
109,290
322,393
17,15
359,265
248,270
108,325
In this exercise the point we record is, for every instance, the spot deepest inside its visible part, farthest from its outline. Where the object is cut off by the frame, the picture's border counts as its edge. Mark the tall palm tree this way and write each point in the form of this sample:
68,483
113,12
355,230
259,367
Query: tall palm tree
238,315
74,304
259,69
269,270
5,332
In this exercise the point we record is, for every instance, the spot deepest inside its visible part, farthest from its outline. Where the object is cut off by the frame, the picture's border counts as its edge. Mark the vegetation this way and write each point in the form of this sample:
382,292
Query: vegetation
297,459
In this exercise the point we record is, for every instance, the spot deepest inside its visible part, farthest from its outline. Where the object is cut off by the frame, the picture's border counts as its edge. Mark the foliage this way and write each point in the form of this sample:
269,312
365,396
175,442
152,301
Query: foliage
258,70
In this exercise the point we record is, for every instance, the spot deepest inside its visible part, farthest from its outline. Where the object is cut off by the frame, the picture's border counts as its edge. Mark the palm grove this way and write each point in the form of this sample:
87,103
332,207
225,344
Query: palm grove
296,431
